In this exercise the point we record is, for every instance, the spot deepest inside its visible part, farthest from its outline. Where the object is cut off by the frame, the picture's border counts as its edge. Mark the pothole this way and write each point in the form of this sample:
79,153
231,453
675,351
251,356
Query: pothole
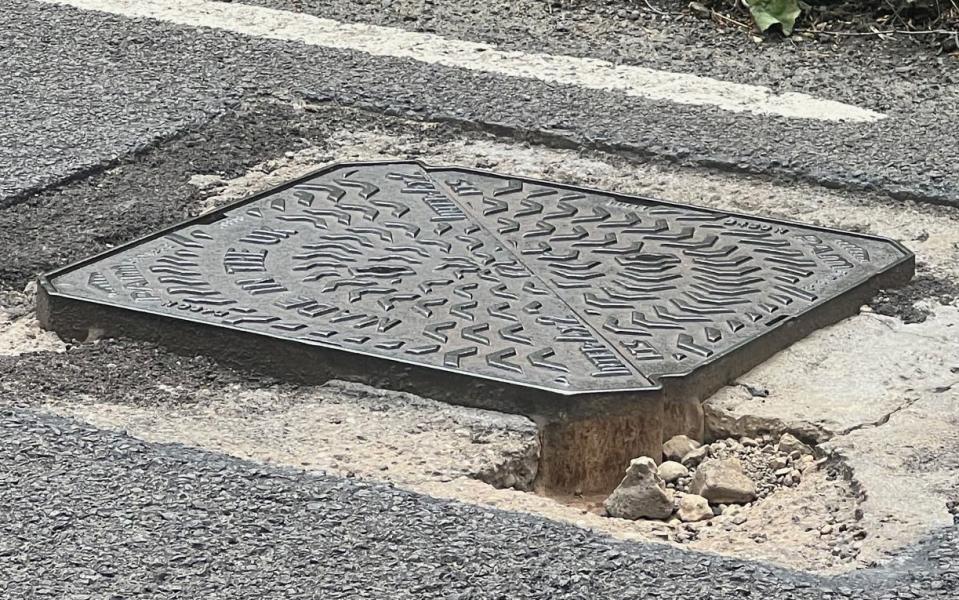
482,457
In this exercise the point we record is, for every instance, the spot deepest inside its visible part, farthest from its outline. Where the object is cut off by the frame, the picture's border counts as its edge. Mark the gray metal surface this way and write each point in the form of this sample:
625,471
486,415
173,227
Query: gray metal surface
521,282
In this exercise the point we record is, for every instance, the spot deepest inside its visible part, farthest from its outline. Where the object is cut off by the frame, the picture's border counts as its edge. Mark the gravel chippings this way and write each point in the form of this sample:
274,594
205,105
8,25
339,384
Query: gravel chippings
94,514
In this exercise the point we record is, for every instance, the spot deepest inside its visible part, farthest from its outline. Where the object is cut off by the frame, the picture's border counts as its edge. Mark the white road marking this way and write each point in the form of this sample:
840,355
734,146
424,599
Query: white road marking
433,49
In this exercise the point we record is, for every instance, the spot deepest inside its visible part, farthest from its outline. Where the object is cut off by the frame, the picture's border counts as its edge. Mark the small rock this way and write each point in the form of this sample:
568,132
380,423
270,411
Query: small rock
748,442
699,8
825,530
778,463
788,444
694,508
679,446
696,456
723,482
641,494
782,472
670,471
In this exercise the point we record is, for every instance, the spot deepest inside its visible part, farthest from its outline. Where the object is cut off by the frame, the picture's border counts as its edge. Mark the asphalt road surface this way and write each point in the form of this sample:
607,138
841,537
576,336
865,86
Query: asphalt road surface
110,107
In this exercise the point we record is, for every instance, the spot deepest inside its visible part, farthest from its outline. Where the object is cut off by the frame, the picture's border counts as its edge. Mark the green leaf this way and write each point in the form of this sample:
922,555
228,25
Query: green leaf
769,12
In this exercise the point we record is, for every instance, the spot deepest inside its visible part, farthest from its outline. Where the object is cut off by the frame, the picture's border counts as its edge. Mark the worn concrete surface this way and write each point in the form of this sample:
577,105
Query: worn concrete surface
907,467
843,378
19,330
339,428
884,397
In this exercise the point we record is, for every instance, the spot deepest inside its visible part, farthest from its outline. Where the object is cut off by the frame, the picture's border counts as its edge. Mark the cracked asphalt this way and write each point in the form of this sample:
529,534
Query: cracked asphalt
106,120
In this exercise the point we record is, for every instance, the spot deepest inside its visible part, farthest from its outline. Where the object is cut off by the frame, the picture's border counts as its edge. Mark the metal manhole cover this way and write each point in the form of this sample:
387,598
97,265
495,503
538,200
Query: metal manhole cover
428,272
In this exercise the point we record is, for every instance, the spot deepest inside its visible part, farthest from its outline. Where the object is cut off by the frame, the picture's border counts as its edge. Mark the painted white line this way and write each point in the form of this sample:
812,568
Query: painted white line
433,49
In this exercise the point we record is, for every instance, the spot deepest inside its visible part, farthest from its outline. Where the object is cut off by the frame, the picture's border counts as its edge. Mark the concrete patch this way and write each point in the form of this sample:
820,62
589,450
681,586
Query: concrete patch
907,468
838,397
840,379
341,428
23,334
19,331
884,397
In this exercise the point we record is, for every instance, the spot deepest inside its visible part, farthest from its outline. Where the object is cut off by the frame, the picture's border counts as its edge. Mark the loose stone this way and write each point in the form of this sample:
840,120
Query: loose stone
693,508
788,444
723,481
696,456
679,446
671,471
642,493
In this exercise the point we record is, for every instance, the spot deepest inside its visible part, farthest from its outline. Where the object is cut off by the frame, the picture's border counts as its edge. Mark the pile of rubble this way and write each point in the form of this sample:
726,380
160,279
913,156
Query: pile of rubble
695,482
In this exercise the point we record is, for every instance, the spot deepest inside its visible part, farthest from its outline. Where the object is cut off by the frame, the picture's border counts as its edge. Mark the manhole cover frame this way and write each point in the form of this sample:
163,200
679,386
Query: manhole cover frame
587,437
895,274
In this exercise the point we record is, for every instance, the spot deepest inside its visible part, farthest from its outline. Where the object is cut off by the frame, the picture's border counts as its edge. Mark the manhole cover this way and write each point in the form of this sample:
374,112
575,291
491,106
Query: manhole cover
476,283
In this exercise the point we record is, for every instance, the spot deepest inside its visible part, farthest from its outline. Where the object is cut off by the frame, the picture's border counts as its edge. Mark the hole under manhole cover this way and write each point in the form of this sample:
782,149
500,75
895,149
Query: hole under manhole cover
605,317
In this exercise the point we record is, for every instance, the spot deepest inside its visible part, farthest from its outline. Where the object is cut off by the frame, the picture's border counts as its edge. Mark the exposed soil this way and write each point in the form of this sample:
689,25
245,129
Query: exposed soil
450,452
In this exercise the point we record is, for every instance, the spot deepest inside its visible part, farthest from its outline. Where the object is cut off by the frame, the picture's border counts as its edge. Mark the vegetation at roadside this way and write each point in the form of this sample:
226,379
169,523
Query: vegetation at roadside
926,20
930,23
